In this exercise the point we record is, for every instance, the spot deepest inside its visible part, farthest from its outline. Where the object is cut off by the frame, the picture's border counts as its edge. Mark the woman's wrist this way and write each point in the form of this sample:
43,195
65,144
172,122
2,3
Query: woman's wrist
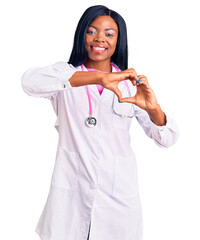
157,115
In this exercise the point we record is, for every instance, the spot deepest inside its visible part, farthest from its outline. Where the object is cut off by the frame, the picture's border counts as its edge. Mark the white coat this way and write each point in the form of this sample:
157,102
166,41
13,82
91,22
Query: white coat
94,184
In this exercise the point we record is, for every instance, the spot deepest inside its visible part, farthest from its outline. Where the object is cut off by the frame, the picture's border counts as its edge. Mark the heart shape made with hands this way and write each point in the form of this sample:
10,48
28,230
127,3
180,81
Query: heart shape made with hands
124,108
127,89
144,97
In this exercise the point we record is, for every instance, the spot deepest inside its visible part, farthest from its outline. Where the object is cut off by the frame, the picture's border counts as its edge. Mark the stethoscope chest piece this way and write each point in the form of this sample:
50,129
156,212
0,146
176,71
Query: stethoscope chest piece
91,121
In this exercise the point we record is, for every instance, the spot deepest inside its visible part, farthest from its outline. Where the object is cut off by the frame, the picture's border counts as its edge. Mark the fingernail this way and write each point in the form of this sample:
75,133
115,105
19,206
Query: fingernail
138,80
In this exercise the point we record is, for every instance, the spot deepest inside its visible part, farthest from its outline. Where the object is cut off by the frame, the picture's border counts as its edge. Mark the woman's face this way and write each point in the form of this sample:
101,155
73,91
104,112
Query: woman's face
101,38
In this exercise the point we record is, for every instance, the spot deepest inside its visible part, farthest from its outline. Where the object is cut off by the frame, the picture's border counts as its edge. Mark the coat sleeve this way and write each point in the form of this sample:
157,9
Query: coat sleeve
163,136
46,81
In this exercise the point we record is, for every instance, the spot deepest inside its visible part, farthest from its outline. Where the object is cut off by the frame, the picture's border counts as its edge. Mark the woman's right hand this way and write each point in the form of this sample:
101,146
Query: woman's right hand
111,80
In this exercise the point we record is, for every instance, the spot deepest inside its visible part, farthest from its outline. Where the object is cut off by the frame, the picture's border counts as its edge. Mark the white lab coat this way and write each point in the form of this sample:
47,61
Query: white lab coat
94,179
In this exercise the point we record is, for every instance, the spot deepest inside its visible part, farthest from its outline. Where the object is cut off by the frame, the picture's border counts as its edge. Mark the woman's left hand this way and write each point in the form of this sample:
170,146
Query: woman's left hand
145,97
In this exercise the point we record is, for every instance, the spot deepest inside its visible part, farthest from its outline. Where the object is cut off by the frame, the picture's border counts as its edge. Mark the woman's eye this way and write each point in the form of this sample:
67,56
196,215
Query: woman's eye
91,32
109,35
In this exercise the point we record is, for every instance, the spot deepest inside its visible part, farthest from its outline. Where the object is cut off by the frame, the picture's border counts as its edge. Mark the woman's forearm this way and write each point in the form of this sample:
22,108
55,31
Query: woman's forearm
157,116
85,78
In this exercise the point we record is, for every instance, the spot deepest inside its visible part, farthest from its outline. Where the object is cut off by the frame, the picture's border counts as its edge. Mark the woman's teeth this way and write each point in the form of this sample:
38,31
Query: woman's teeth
98,48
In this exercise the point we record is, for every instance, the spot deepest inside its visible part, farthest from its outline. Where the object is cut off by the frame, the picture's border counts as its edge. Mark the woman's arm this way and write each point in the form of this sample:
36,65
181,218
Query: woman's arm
46,81
80,78
165,135
156,124
157,115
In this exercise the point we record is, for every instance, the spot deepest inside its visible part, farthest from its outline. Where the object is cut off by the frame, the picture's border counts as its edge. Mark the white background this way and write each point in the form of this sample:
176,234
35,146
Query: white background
163,39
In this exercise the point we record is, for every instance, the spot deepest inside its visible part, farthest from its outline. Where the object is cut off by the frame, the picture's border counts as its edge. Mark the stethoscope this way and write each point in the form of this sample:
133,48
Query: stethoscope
91,121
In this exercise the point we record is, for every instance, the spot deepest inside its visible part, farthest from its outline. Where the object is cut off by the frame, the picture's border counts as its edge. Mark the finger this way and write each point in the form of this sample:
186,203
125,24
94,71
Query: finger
131,76
118,93
125,76
142,77
128,99
142,80
133,81
131,70
138,80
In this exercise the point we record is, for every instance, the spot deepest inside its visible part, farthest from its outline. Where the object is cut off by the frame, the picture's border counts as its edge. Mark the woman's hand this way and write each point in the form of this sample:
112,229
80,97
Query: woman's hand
145,97
111,80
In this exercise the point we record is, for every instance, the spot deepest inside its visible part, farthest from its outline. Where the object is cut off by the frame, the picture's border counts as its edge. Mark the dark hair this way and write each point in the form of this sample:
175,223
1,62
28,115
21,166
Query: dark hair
79,52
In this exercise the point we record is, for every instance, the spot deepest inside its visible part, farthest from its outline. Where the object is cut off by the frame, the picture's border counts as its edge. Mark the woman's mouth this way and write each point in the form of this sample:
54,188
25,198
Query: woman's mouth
98,49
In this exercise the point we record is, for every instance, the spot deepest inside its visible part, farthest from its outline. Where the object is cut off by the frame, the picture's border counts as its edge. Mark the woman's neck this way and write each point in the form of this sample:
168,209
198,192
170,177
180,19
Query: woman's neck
103,66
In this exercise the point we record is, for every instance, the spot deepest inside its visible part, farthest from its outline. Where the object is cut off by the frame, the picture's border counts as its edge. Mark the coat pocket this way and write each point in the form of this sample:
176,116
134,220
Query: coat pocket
125,178
65,172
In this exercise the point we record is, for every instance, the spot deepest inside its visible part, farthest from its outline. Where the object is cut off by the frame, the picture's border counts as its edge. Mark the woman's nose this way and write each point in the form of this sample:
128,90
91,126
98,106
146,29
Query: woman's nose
99,38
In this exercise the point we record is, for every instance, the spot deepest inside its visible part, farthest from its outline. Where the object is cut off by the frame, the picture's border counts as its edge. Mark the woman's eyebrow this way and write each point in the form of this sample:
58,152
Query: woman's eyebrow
107,29
92,26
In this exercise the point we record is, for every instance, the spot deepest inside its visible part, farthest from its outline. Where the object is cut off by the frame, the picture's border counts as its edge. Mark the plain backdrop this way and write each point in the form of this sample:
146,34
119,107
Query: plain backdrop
163,38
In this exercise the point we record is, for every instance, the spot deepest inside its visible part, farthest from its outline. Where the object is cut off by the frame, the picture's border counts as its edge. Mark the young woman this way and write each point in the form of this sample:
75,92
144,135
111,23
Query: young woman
94,188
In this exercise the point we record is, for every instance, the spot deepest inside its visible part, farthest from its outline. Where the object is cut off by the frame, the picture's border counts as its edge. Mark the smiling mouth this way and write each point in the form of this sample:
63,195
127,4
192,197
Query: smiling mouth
98,49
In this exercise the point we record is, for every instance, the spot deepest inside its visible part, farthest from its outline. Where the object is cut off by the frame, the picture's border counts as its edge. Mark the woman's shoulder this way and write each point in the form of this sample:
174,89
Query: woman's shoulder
66,65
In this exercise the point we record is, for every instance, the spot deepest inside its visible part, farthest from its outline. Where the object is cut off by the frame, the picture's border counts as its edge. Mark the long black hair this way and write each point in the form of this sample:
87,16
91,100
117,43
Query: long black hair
79,52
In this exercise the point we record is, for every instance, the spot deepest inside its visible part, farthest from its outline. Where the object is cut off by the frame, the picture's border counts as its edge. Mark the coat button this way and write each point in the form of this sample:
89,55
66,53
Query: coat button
63,85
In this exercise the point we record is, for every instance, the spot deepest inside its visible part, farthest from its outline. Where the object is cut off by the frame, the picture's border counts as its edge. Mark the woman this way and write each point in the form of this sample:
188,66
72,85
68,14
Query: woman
94,188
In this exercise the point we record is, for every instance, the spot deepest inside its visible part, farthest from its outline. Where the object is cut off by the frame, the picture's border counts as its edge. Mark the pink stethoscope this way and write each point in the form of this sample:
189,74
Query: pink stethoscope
91,121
